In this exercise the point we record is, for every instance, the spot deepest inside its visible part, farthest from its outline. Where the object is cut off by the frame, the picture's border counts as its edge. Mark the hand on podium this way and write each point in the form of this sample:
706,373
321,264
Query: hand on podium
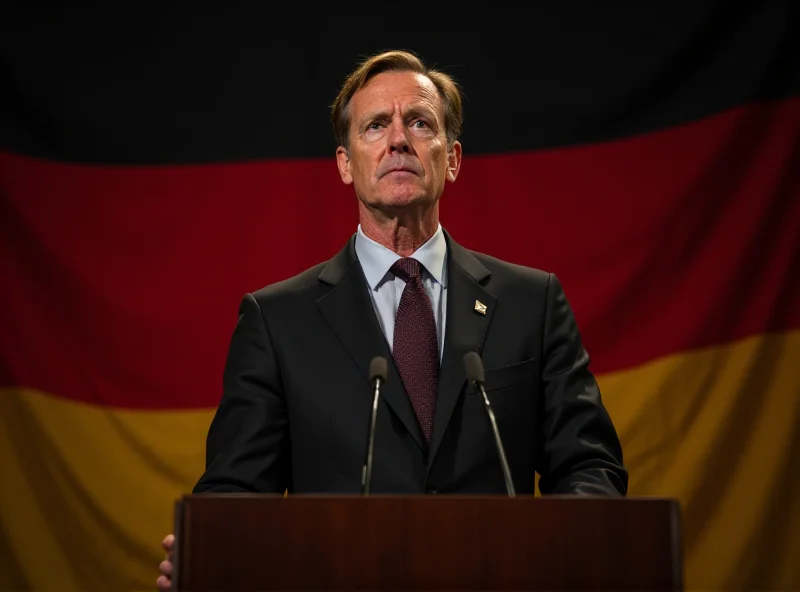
164,581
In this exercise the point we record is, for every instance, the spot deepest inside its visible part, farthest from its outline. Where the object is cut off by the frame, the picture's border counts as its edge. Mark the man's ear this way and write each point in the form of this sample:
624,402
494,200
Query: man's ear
343,162
453,161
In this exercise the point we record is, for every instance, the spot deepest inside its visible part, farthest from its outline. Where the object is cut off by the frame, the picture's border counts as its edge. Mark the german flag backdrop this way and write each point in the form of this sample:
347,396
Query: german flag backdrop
155,166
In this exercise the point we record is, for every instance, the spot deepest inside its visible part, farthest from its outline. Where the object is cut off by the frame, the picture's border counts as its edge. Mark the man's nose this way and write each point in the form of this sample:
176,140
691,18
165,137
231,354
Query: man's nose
398,140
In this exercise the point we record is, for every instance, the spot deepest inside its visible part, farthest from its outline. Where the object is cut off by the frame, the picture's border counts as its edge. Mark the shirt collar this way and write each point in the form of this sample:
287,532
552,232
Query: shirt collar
376,260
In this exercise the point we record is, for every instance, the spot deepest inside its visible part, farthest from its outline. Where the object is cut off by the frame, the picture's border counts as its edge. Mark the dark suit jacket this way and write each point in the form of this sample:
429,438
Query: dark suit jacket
297,402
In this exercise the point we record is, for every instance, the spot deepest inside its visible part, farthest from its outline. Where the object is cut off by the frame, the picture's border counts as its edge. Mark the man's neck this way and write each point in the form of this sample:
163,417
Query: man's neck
402,234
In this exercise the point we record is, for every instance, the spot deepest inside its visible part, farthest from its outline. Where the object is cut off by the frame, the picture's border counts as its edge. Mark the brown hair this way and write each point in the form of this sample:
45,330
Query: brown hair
402,61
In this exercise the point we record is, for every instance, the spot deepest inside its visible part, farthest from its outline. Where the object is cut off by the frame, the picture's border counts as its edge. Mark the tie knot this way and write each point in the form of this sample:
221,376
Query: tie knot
406,268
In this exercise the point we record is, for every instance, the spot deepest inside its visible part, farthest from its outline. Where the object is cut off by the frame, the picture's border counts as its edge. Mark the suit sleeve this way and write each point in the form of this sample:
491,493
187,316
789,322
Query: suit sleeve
580,452
247,448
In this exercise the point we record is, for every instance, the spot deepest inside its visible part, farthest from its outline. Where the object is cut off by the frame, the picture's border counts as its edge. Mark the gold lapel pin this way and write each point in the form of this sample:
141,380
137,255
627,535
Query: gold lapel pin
480,307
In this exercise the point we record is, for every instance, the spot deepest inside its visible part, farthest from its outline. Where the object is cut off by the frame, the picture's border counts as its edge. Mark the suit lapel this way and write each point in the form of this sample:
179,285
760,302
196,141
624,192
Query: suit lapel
348,310
465,330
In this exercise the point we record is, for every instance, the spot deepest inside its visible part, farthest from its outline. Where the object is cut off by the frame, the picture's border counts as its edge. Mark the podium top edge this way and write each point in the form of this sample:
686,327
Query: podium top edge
434,498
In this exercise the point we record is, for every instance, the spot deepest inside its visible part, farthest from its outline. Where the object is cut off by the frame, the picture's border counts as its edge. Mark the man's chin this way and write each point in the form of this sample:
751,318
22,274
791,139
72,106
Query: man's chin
404,196
399,197
396,202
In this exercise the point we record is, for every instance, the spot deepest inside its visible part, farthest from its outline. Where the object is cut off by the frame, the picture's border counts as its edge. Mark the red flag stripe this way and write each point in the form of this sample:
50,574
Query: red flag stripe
122,283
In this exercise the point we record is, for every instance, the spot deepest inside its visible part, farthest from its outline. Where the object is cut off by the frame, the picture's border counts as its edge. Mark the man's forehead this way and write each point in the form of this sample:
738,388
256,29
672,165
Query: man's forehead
387,87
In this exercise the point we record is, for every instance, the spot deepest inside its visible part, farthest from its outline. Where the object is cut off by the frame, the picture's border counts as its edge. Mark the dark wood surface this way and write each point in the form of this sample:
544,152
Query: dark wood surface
251,542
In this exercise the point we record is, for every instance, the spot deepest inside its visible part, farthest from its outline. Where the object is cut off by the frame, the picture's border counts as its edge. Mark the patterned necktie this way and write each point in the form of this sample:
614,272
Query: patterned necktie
416,348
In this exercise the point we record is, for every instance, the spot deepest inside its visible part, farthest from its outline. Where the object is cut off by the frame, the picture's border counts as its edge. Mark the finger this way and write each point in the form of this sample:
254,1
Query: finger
164,584
169,542
165,567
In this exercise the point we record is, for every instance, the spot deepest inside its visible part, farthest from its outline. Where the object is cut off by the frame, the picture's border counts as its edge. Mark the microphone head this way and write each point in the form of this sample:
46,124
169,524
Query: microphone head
378,368
473,366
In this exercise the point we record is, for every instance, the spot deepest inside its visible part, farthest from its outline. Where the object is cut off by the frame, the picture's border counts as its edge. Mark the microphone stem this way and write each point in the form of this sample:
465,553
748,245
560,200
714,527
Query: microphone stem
366,475
500,451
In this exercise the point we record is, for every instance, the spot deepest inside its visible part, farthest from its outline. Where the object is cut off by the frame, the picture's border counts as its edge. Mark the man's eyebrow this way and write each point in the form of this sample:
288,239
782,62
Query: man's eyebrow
420,111
373,115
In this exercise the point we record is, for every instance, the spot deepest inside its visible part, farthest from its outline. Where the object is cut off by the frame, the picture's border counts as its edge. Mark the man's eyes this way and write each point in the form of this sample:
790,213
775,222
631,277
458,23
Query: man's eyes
417,123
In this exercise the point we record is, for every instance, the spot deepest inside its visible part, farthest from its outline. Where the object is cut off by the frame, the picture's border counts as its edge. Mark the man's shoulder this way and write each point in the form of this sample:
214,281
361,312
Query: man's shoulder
514,273
309,284
304,284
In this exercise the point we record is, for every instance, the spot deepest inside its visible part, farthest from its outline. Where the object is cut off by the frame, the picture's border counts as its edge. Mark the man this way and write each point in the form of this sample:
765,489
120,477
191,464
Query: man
296,404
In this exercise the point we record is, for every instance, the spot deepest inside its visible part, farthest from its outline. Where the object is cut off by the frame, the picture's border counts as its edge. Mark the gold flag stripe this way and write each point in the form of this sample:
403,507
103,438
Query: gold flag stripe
88,492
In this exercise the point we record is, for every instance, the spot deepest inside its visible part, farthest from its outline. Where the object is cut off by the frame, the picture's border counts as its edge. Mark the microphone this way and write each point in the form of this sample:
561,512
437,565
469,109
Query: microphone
474,370
378,370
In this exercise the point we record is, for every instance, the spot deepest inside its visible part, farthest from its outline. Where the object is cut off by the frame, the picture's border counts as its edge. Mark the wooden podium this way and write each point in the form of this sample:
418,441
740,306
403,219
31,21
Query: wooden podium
431,542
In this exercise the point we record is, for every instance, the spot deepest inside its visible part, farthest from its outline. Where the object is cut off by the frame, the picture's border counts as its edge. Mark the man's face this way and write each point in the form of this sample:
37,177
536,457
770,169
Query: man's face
398,154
